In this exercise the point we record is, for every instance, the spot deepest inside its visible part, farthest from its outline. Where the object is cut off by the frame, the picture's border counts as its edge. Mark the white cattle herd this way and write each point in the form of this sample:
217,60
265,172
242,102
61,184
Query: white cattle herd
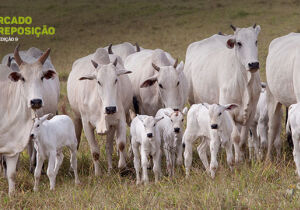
126,85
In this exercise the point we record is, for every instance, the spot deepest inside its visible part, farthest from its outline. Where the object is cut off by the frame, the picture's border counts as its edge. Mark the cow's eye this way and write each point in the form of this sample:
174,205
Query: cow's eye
171,120
154,124
256,42
42,78
177,83
160,85
220,114
116,81
38,126
239,44
23,79
182,120
99,83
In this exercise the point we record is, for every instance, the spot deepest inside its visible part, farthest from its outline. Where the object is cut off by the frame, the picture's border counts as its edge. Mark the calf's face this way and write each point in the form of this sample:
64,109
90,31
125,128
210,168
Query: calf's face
107,78
149,124
36,128
32,76
177,118
216,114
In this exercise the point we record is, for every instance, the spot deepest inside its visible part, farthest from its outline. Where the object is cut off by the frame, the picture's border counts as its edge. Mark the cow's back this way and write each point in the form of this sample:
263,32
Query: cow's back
282,68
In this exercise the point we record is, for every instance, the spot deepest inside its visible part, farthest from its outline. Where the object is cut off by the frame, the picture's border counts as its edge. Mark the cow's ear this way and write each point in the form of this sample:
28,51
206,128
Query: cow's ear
123,71
149,82
231,106
49,74
88,77
15,77
230,43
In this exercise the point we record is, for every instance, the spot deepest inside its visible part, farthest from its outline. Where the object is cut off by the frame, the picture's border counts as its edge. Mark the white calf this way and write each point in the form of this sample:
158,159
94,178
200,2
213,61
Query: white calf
214,125
293,129
50,137
170,130
145,143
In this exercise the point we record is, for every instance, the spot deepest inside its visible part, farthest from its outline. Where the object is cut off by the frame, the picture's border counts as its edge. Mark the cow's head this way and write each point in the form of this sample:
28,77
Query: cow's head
244,41
149,123
216,113
106,76
37,125
169,86
32,76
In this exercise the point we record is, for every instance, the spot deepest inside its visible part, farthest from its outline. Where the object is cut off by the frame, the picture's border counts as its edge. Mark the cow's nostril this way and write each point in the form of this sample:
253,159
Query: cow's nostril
31,136
176,130
36,103
149,135
214,126
110,109
176,110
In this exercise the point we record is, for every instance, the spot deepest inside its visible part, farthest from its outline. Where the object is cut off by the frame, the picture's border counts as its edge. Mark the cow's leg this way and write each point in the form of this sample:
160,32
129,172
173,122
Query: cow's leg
187,143
94,147
137,162
11,163
78,130
274,113
262,130
202,152
179,150
156,165
51,169
243,140
214,149
278,142
296,152
255,142
73,161
121,143
251,145
144,161
109,147
37,172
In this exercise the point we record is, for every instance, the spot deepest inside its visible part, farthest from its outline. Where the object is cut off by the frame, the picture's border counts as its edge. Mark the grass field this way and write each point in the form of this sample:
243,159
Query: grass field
82,27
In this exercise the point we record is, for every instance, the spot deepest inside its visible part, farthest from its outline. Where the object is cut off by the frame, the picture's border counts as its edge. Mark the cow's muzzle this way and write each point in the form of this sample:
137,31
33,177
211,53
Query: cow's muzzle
253,67
176,130
110,110
214,126
36,103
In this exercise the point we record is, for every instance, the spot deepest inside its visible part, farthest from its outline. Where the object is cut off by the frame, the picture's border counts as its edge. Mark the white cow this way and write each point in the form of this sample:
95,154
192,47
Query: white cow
293,129
50,136
283,83
144,143
157,81
170,130
123,50
214,126
98,92
223,69
21,92
50,98
258,140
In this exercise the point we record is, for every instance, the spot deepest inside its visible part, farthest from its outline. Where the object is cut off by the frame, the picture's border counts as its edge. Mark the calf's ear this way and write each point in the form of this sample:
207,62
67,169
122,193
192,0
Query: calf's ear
179,67
185,110
158,119
149,82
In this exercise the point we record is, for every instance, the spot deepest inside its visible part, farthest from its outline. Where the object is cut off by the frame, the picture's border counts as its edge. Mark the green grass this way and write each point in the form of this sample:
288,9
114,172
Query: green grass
81,27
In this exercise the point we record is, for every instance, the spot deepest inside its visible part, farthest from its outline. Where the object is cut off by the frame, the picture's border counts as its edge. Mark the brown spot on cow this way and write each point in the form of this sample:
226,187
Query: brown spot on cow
121,146
96,156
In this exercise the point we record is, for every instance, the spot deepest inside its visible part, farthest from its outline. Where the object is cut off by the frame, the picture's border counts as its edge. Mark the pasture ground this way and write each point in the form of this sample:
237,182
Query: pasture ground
82,27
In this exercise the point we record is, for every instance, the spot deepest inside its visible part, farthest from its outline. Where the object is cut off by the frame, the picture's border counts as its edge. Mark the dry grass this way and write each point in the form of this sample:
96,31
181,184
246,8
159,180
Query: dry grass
83,26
